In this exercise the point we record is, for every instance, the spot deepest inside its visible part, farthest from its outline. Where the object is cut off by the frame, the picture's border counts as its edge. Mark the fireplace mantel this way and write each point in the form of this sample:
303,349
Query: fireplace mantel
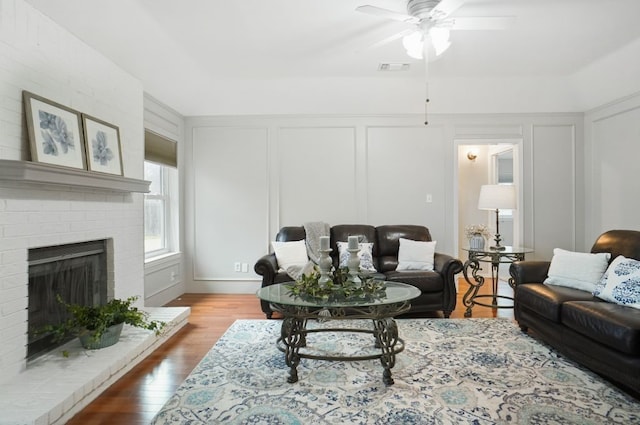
36,173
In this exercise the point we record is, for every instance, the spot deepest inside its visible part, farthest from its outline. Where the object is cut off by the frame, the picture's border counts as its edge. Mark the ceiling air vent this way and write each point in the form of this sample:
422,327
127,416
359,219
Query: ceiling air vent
393,67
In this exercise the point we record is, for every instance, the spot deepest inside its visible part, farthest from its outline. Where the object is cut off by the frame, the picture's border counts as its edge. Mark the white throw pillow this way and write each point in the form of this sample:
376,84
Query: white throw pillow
621,283
290,254
577,270
416,255
365,255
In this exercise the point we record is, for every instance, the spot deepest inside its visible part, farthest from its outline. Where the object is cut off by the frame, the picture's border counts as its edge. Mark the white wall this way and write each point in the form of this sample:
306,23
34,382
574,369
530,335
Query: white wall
249,176
228,210
163,279
471,175
612,150
39,56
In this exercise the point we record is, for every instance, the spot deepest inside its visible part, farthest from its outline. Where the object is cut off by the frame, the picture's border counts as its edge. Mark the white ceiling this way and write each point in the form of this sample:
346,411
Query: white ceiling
180,49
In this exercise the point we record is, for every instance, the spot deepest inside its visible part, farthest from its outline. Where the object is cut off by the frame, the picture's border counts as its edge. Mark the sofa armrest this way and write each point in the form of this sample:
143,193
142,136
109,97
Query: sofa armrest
529,271
448,267
267,267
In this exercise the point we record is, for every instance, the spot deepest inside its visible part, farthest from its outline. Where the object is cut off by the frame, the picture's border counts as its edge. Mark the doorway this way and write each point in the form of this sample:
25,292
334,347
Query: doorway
486,161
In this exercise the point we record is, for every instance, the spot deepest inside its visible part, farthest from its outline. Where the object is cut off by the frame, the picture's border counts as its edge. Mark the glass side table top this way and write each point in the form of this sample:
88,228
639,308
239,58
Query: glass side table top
395,293
506,251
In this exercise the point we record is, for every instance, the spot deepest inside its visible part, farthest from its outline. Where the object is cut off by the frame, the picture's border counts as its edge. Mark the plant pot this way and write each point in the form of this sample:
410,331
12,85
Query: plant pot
476,242
108,338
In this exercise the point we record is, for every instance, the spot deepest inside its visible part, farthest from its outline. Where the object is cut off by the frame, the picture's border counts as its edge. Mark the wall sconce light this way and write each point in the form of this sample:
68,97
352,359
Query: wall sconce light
472,155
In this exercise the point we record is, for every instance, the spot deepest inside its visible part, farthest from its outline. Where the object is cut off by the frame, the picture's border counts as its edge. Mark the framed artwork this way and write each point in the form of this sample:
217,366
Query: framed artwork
55,132
104,153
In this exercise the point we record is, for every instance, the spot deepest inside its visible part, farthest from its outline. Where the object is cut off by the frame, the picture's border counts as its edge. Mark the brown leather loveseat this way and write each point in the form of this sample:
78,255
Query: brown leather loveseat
601,335
438,286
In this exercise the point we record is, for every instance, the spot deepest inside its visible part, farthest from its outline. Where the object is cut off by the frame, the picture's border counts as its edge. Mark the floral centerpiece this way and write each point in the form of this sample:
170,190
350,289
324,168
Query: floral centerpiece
338,287
477,233
477,229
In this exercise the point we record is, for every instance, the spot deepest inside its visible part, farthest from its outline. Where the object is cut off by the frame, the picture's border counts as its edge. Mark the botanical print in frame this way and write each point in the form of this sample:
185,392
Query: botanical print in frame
55,134
104,152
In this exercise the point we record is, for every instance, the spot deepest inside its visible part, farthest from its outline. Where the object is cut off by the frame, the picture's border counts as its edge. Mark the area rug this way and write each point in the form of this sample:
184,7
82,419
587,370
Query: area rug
452,371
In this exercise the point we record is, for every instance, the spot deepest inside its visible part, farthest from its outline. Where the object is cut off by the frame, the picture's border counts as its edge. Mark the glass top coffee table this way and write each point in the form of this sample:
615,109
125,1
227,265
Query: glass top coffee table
297,311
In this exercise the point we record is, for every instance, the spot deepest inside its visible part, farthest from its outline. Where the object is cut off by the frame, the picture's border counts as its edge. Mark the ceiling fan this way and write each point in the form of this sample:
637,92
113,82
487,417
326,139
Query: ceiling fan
429,24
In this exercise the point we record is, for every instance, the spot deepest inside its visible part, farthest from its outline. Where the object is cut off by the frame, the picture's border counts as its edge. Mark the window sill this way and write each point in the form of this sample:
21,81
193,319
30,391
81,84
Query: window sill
161,261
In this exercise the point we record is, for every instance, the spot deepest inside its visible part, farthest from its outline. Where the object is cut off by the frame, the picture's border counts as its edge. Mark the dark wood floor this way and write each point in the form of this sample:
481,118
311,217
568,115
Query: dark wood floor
140,394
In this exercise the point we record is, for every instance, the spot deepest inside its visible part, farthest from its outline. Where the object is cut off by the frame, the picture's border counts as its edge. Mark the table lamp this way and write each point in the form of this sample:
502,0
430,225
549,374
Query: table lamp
497,197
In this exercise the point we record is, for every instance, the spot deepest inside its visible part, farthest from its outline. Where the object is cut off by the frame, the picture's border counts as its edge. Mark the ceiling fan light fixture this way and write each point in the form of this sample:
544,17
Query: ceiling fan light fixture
413,44
439,39
394,67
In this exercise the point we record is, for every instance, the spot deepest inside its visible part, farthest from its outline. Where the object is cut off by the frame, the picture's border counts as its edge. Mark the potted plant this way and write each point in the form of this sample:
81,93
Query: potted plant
100,326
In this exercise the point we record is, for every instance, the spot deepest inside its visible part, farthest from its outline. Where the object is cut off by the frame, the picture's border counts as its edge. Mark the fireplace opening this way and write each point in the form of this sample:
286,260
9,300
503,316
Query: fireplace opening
77,272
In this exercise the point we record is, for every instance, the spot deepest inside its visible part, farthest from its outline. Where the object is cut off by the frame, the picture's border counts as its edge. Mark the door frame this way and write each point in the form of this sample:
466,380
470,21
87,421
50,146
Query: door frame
518,180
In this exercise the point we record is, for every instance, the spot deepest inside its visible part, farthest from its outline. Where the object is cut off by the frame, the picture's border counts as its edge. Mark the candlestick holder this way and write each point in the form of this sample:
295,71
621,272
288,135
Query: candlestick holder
324,263
354,266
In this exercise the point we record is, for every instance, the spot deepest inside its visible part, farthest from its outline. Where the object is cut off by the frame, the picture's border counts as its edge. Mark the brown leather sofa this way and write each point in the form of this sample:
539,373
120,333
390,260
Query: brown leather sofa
438,287
603,336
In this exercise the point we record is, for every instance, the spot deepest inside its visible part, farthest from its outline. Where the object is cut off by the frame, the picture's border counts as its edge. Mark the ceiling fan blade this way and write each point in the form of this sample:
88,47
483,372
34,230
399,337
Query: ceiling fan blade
445,8
385,13
480,23
391,38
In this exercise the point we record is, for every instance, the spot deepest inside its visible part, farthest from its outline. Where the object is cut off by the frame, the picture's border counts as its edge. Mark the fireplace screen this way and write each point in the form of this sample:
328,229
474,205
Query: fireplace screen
76,272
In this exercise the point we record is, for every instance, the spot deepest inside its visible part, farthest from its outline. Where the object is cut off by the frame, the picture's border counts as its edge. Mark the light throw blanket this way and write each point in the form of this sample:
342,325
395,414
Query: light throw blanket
314,230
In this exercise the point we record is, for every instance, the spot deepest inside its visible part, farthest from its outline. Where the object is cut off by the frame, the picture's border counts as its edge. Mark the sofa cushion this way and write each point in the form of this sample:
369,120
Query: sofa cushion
577,269
621,282
365,254
290,254
388,238
619,242
607,323
291,233
425,281
415,255
547,300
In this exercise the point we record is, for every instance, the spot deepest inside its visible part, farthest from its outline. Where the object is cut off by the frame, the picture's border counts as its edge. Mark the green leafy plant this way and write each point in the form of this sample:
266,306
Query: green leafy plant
339,287
97,319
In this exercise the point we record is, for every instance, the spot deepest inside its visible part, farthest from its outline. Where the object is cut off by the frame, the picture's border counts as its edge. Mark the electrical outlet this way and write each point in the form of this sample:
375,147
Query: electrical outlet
237,266
429,198
245,268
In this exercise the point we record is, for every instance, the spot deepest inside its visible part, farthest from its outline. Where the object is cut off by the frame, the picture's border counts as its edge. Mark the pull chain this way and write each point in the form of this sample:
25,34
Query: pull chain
426,79
426,107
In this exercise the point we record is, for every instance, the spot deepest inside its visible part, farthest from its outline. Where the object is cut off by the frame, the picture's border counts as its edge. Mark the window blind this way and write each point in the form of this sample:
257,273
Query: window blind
160,150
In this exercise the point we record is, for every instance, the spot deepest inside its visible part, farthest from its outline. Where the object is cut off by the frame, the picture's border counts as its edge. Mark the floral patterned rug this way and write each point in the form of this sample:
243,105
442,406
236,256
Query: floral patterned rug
452,371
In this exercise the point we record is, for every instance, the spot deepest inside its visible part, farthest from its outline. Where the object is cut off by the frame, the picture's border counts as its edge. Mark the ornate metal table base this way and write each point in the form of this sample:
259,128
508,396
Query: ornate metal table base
293,334
495,258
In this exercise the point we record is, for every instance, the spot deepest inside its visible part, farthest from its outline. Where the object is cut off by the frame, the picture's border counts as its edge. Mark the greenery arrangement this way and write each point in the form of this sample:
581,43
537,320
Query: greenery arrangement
95,320
339,287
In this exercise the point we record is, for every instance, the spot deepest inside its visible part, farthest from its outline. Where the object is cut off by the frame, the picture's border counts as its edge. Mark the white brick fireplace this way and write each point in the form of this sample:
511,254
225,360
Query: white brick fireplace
33,218
50,389
39,56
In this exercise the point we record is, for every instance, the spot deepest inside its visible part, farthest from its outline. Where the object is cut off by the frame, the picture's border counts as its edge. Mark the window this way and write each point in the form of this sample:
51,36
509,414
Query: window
156,210
504,165
161,203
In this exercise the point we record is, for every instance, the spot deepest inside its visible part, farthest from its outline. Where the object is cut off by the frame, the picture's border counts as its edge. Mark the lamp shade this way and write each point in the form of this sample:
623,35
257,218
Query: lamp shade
497,197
